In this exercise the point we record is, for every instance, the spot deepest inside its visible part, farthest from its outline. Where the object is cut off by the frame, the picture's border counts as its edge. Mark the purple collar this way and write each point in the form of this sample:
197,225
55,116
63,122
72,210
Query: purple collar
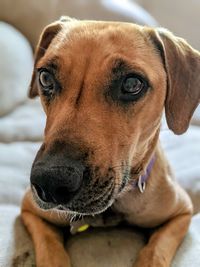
141,181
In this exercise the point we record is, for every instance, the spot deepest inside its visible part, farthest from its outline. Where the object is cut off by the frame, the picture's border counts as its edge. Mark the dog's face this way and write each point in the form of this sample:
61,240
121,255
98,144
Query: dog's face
103,87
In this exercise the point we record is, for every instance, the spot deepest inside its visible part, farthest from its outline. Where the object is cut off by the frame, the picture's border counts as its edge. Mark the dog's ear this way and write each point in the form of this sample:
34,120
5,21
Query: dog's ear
46,37
182,66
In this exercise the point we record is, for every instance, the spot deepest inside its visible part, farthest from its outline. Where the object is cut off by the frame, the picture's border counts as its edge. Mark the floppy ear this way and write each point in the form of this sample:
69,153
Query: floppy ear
46,37
182,66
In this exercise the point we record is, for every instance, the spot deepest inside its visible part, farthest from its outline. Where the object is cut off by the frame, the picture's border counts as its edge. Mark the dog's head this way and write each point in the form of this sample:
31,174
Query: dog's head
103,86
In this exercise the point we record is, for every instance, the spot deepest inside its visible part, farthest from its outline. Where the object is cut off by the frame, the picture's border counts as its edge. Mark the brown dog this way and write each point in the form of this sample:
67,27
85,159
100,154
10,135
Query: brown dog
103,86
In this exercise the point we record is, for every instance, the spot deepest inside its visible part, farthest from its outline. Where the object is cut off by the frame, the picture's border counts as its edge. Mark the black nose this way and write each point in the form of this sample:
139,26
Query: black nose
57,184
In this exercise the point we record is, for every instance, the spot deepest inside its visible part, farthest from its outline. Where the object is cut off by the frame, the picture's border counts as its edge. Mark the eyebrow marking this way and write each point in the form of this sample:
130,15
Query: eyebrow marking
122,67
52,64
119,70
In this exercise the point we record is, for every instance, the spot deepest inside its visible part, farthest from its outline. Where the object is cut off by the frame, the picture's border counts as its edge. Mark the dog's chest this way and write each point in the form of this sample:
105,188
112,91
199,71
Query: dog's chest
136,208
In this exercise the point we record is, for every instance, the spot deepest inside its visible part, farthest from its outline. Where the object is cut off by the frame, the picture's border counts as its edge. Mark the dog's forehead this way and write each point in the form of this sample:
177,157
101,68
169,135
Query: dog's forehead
96,31
88,37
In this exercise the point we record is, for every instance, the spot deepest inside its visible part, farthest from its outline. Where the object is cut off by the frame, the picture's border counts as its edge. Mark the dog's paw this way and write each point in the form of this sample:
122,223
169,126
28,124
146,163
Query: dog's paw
150,258
149,263
57,259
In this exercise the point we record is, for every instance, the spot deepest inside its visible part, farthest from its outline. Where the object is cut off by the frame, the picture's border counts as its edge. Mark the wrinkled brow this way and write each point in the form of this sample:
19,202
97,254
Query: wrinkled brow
120,67
51,63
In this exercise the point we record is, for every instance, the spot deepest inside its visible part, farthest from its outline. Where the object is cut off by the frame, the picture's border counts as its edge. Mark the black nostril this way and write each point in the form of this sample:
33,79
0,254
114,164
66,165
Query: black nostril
45,196
62,194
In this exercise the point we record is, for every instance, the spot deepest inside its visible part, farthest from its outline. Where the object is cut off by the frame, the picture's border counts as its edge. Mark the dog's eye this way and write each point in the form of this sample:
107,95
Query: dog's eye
46,79
133,86
48,83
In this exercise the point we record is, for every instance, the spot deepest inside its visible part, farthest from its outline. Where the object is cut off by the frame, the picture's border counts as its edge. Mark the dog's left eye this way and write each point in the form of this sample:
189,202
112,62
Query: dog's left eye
132,86
129,88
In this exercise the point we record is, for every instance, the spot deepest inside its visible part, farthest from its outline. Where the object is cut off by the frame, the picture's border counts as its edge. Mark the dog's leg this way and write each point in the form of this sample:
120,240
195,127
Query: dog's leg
47,239
164,242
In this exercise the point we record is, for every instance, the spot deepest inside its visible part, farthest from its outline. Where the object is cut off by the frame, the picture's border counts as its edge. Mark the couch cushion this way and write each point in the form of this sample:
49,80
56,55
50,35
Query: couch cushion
25,123
15,165
15,67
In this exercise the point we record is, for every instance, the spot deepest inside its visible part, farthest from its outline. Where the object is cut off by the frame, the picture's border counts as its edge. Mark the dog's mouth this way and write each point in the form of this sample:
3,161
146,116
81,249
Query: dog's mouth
90,201
80,205
96,194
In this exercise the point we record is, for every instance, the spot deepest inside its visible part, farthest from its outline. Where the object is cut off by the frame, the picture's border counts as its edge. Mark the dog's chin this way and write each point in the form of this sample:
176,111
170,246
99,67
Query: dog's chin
88,210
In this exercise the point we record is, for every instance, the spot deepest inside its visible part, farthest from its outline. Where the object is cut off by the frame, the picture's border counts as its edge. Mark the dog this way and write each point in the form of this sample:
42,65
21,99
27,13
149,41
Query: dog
103,87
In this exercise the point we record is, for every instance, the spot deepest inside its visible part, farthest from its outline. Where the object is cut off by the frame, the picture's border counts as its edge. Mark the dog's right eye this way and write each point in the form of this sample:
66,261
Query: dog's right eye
46,79
47,82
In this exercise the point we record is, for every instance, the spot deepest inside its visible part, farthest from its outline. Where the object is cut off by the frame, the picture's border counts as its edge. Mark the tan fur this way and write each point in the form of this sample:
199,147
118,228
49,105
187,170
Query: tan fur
112,134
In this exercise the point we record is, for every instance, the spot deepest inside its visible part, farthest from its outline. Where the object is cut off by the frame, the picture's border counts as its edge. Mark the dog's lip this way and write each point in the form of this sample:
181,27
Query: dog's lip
61,208
64,209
